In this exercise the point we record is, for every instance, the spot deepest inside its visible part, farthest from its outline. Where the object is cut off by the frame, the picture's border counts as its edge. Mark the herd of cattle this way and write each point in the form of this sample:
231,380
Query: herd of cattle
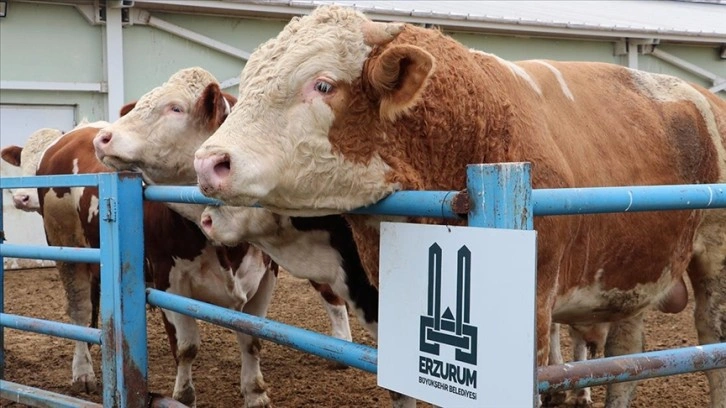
338,111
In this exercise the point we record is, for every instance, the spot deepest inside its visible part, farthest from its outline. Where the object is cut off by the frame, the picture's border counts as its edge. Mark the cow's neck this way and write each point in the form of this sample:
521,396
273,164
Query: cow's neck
192,212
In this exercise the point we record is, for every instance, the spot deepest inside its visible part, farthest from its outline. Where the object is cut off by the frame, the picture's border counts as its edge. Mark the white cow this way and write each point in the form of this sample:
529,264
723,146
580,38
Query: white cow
27,158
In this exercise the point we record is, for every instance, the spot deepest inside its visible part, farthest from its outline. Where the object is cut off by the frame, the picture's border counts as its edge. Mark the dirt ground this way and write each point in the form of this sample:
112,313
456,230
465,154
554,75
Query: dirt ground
296,379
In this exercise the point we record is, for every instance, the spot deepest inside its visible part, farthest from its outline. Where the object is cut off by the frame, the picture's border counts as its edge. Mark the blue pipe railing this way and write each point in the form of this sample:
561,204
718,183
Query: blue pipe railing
51,328
561,201
70,254
488,202
341,351
542,202
123,305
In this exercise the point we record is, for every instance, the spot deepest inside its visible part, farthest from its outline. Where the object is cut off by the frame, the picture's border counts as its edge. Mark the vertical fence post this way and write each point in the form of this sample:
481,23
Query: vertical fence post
501,197
2,292
123,296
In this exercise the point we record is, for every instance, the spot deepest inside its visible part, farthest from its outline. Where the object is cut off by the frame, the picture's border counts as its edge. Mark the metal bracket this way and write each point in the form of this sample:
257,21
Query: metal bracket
109,210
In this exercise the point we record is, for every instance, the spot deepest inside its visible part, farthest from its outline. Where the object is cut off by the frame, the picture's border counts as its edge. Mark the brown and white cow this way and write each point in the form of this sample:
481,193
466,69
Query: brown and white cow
178,258
327,125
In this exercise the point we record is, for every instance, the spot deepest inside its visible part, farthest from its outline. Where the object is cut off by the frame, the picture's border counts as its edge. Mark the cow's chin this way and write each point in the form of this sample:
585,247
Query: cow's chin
236,200
302,212
116,163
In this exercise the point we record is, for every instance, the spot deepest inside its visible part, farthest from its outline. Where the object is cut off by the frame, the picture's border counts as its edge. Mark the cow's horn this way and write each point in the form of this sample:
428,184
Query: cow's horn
380,33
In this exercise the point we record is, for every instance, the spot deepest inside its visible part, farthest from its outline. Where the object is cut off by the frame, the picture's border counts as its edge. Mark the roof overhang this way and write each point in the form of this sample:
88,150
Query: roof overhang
284,10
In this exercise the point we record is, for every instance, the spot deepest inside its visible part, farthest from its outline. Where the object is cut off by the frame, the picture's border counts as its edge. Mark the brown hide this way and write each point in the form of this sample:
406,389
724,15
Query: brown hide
474,109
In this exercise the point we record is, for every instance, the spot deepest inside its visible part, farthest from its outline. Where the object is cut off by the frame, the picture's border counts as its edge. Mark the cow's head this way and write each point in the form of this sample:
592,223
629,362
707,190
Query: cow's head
231,225
287,143
158,134
27,158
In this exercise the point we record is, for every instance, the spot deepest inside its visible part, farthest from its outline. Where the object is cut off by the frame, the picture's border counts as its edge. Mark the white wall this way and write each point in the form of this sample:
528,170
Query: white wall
17,122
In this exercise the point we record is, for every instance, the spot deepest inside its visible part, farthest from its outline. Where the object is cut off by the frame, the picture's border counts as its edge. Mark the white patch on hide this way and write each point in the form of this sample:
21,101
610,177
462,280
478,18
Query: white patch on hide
515,69
560,78
577,305
666,88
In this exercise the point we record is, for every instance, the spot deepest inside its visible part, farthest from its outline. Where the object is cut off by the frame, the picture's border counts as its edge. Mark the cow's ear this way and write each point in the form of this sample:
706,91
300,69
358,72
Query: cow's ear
11,154
231,100
399,75
127,108
213,106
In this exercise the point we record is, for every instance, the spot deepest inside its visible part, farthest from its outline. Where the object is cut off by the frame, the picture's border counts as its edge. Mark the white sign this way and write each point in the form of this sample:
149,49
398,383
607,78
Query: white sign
456,326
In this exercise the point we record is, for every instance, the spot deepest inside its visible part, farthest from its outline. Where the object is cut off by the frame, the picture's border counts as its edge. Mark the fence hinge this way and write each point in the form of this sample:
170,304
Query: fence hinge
109,211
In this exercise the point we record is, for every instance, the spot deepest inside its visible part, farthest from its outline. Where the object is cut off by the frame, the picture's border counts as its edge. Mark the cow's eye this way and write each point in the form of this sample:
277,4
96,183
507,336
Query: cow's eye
323,87
176,108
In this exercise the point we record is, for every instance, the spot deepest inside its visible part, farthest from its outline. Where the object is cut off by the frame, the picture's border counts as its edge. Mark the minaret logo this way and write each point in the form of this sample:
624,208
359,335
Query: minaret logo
449,328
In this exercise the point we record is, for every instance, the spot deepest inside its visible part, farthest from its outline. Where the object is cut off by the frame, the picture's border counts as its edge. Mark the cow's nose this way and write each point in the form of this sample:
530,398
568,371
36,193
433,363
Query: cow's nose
21,200
207,223
212,171
102,139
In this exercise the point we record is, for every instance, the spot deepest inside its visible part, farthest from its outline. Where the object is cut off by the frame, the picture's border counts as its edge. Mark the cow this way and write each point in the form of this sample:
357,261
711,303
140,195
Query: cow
321,249
26,199
339,111
179,259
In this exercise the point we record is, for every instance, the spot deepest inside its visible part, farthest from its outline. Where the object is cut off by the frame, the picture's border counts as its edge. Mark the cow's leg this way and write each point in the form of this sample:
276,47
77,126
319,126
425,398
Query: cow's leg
337,311
579,397
399,400
707,272
184,341
555,357
625,337
76,278
186,332
252,383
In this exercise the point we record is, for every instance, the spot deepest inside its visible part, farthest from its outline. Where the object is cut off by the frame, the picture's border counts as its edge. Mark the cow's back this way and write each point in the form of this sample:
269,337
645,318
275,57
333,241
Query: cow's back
581,124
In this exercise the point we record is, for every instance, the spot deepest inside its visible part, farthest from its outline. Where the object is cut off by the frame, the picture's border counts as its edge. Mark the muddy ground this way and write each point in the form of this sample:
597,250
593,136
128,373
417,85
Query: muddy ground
295,379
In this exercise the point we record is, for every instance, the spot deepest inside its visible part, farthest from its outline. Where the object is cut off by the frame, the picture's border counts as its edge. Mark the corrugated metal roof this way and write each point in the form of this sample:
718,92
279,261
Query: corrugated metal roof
704,18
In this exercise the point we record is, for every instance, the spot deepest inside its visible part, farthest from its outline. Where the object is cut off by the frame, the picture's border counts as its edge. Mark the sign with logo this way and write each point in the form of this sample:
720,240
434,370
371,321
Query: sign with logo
456,324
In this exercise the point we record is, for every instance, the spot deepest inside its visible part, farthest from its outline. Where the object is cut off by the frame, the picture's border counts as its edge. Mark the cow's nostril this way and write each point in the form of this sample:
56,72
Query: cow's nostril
222,167
25,198
207,222
105,137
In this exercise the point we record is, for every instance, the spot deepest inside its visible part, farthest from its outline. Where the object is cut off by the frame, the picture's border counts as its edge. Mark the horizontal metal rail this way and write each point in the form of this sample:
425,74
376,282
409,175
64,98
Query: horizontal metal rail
403,203
596,200
160,401
75,180
56,253
560,201
51,328
631,367
341,351
178,194
551,378
36,397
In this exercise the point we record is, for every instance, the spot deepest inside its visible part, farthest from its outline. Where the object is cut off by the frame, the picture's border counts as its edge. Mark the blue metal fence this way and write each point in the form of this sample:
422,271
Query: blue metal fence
122,334
498,196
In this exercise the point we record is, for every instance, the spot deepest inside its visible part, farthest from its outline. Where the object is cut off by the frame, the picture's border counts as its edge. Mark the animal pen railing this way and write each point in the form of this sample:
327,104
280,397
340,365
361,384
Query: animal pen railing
498,196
